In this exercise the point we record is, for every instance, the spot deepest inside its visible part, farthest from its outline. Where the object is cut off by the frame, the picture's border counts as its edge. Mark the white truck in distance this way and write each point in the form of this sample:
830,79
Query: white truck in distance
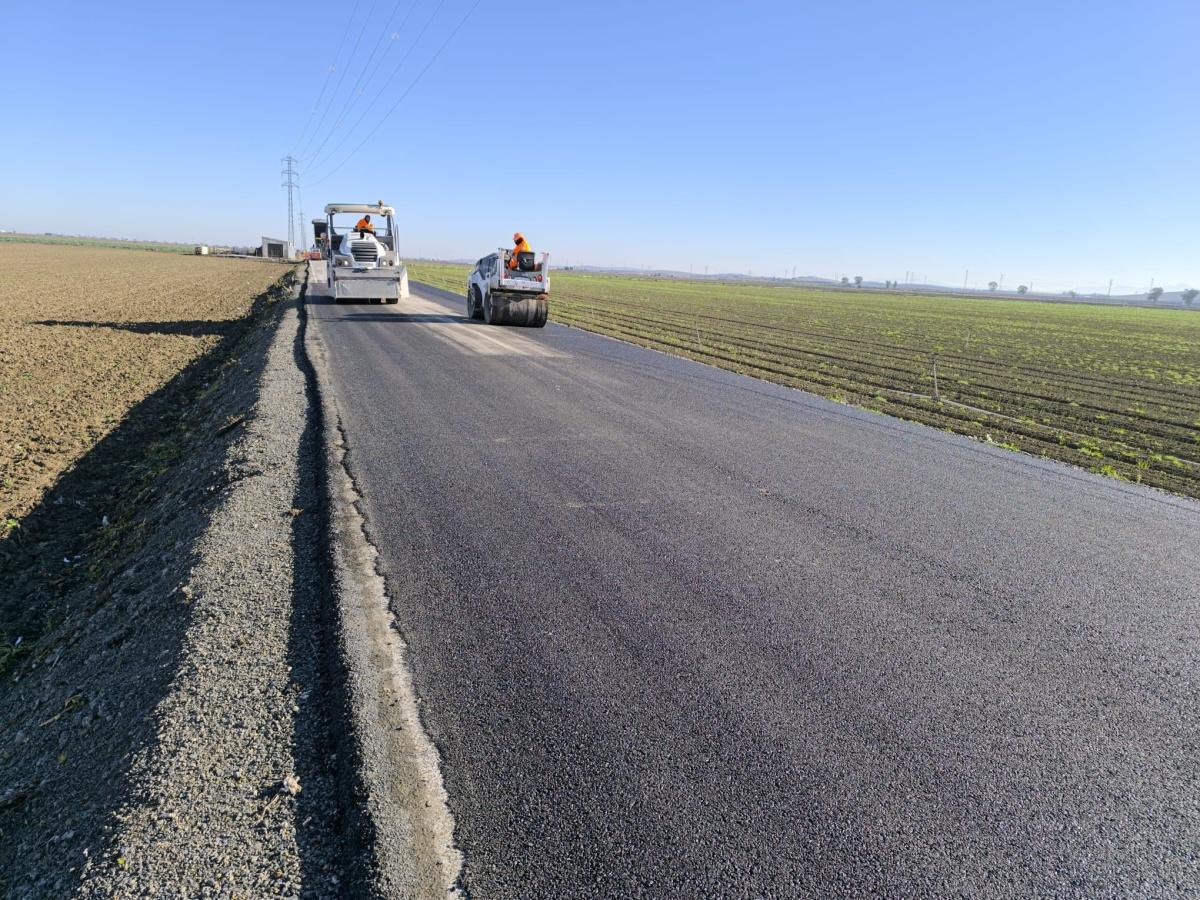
503,296
363,264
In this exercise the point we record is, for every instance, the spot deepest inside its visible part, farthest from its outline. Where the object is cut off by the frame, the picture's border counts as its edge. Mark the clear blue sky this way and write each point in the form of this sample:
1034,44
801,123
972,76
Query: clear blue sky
1055,142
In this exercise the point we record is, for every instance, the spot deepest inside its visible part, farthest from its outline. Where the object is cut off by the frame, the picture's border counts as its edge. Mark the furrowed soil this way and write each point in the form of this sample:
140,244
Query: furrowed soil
1112,389
86,333
169,704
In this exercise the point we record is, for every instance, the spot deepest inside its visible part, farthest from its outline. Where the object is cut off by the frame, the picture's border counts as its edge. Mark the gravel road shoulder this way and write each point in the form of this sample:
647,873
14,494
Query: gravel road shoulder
171,736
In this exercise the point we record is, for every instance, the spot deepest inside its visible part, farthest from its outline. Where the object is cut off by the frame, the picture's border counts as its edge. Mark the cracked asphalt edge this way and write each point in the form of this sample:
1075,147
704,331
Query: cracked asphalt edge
403,802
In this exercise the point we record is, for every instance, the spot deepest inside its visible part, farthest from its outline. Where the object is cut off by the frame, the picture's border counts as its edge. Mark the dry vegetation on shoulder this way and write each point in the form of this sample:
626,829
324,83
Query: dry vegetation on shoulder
85,334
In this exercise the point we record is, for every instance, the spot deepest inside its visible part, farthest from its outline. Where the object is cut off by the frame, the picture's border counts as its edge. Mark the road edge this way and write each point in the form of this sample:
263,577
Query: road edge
402,807
968,442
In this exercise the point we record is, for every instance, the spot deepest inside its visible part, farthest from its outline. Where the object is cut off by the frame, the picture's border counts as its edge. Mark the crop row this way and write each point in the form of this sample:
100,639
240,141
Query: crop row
1112,389
984,386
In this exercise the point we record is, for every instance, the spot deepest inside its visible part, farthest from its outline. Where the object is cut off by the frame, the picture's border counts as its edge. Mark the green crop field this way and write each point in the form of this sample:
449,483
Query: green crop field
1113,389
95,242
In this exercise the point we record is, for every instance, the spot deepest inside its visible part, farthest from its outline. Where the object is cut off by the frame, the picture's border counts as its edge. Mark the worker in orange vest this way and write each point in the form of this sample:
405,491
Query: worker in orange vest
364,225
522,246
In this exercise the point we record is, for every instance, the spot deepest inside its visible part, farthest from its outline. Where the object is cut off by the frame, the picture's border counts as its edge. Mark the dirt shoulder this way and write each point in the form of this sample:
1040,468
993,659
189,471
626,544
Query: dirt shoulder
167,730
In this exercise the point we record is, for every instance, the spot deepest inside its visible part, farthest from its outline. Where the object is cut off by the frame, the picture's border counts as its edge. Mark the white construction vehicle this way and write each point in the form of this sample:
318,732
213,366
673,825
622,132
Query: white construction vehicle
363,263
503,296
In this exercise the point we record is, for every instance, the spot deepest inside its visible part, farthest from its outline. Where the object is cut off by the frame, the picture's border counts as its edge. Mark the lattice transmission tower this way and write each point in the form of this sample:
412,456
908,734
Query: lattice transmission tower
289,181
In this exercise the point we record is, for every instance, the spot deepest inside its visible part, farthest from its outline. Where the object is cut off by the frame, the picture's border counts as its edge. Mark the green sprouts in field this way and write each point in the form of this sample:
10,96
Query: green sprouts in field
1111,389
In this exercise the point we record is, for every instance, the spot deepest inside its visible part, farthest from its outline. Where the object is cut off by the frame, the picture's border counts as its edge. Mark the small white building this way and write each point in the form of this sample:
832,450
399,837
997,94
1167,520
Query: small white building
276,248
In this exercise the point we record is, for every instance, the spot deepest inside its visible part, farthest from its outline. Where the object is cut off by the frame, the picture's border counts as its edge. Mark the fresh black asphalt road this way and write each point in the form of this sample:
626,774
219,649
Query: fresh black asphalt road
681,633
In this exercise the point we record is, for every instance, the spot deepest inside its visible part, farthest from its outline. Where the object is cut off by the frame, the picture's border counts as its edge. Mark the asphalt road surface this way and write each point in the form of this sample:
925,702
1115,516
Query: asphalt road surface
682,633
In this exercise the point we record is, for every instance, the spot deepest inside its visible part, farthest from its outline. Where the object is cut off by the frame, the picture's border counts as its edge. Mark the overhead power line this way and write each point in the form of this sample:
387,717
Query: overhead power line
355,91
312,112
412,84
325,83
341,75
323,160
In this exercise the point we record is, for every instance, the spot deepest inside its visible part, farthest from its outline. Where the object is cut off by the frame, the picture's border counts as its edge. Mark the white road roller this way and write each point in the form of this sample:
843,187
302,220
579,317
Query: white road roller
363,262
510,296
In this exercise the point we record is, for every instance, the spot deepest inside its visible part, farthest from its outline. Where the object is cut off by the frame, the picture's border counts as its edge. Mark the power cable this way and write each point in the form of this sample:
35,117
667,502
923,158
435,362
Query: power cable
400,99
323,160
342,75
325,83
316,157
358,82
321,96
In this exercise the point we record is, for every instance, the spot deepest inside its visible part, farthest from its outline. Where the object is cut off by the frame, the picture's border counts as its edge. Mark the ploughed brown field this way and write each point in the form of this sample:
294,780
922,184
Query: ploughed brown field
86,333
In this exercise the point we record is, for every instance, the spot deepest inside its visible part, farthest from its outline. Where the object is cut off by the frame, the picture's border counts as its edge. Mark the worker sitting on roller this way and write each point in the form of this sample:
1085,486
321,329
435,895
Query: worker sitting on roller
522,246
364,225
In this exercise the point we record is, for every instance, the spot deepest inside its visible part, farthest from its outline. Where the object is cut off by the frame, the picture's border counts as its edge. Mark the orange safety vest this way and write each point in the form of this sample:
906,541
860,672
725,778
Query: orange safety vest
364,225
522,247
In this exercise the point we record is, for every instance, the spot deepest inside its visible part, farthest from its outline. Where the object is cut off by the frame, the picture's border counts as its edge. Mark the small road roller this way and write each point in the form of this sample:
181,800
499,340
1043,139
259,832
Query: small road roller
501,294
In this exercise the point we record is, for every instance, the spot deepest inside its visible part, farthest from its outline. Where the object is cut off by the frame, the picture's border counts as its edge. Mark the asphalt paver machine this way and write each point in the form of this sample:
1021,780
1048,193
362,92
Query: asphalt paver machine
363,264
